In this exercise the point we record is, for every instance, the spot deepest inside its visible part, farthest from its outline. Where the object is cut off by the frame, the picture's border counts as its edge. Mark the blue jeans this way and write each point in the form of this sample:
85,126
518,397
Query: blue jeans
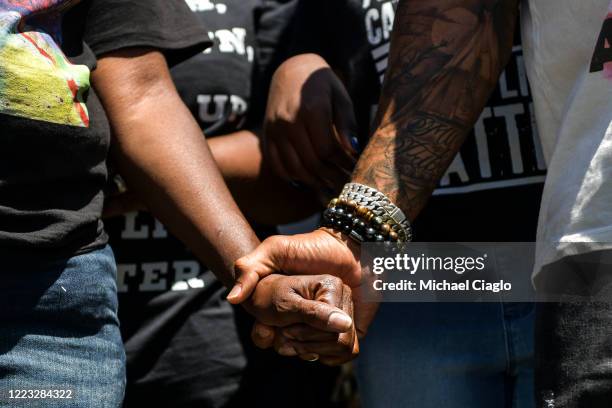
443,355
59,331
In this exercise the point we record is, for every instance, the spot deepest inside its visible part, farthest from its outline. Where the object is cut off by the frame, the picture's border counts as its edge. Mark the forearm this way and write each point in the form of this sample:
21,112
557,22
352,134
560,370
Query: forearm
159,149
445,60
262,196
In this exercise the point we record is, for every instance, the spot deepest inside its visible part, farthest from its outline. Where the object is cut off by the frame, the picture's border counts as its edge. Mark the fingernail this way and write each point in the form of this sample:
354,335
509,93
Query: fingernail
355,143
235,292
340,321
287,350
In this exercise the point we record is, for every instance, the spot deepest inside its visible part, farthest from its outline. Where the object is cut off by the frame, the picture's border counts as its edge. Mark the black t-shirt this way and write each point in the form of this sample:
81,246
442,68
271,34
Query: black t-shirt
55,134
492,189
216,84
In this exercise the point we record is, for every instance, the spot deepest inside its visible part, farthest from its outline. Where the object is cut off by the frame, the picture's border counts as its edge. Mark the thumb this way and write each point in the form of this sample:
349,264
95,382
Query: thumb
321,316
247,276
249,269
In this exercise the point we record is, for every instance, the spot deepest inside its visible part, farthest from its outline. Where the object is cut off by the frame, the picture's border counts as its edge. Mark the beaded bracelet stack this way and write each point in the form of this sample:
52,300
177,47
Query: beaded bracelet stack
364,219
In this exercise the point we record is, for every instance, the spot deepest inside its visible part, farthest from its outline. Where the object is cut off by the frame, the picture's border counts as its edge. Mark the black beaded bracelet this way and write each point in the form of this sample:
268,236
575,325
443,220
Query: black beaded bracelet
360,223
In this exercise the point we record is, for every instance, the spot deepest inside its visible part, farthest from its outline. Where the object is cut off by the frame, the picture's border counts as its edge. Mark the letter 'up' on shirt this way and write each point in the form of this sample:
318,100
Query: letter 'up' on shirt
569,61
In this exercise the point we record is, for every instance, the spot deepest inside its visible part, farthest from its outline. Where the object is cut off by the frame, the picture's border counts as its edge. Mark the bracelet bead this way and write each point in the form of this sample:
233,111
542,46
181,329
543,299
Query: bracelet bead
366,215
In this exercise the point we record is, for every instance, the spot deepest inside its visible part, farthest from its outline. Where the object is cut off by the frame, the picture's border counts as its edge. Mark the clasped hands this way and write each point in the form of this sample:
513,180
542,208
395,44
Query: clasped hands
302,291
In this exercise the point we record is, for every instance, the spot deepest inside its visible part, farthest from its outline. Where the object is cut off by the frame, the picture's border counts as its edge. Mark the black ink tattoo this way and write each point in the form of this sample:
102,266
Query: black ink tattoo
446,57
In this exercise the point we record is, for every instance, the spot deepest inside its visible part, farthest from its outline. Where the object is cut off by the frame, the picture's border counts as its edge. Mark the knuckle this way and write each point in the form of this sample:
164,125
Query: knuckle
269,244
311,312
278,124
292,249
277,247
331,282
241,265
259,343
274,241
284,118
283,305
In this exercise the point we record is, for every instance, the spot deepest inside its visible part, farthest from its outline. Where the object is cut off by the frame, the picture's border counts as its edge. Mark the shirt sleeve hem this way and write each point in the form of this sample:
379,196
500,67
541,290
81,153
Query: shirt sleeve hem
175,50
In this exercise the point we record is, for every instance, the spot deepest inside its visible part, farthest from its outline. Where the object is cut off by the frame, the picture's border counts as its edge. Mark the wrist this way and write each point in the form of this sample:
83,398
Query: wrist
366,215
234,241
352,245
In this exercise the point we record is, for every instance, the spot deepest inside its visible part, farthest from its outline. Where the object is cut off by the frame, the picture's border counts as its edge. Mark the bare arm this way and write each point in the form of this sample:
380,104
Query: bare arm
445,60
446,57
159,149
262,195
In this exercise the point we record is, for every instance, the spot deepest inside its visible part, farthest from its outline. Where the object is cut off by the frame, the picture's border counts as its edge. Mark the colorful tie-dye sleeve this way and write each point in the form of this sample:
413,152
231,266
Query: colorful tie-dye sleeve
36,79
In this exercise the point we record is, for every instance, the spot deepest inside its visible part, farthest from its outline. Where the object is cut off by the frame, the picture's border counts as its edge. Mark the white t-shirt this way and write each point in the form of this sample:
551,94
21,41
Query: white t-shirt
568,52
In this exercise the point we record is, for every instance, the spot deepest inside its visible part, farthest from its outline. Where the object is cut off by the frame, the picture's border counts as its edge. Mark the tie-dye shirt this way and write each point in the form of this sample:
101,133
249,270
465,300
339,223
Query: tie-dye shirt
568,50
54,133
38,82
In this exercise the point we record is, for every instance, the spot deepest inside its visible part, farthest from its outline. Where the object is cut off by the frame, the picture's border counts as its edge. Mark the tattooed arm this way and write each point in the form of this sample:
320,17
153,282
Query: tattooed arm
445,60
